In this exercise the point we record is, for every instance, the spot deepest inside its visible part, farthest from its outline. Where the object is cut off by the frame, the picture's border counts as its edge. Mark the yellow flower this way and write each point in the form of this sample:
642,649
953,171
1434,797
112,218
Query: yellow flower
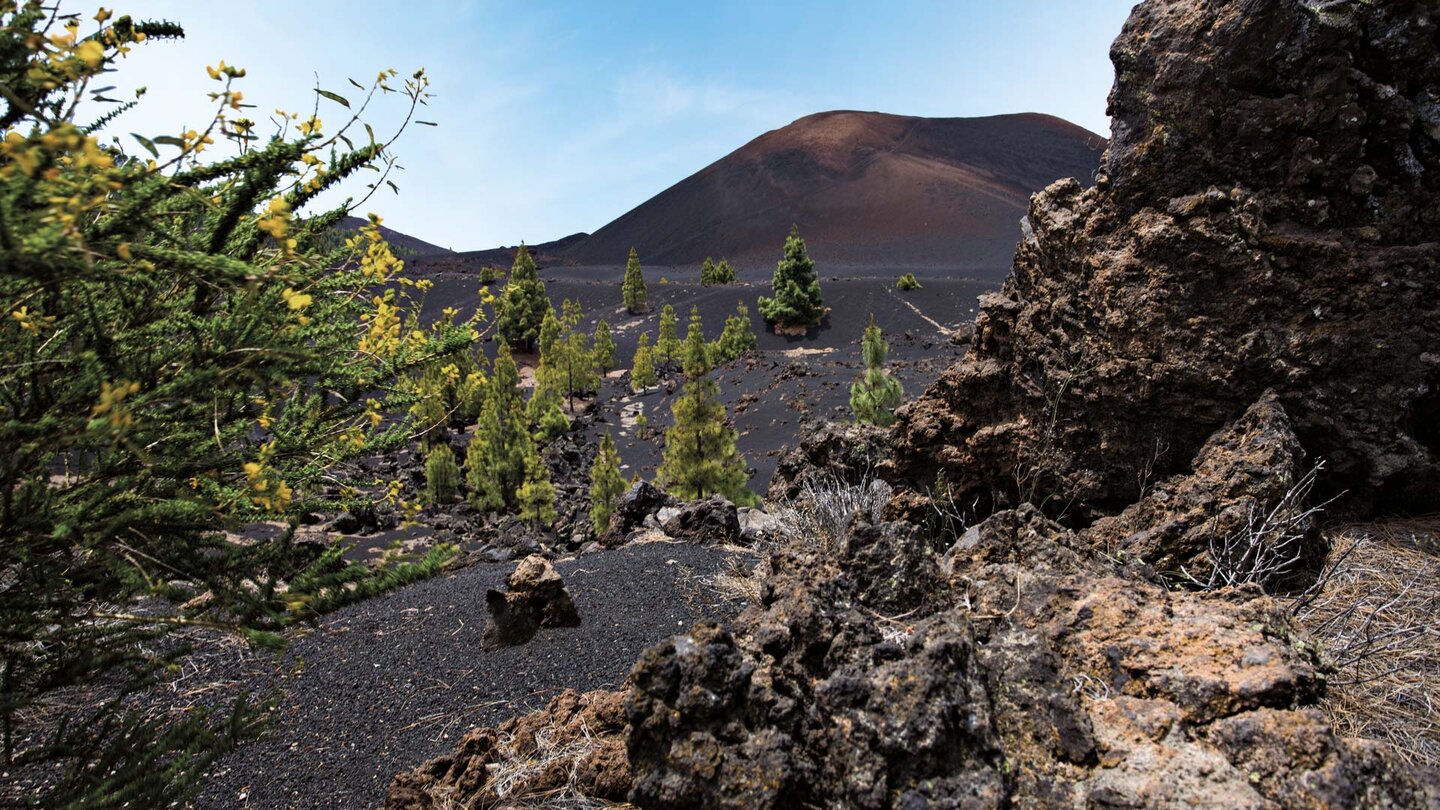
91,52
310,127
296,300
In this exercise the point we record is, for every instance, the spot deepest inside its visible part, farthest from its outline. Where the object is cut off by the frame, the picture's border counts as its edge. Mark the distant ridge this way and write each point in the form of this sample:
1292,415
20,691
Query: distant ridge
866,189
406,243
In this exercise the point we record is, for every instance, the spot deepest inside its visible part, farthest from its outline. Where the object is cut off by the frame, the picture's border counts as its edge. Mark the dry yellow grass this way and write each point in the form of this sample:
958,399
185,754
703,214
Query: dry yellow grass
1374,615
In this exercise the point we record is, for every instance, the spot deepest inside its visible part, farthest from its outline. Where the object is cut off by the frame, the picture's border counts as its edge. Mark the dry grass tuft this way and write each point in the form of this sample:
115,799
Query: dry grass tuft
1373,612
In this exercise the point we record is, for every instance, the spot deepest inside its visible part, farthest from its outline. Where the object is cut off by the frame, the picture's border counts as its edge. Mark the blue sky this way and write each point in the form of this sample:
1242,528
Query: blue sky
556,117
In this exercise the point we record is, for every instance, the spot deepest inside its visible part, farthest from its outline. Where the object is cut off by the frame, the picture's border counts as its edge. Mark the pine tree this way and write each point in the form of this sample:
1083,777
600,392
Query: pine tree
724,273
707,273
700,458
545,414
549,331
522,305
633,290
642,370
502,430
667,345
480,455
535,499
736,339
874,397
442,475
606,485
797,301
604,348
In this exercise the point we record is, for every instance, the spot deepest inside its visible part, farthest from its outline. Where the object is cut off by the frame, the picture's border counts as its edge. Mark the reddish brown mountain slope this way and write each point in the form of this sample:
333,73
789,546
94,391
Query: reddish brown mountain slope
866,189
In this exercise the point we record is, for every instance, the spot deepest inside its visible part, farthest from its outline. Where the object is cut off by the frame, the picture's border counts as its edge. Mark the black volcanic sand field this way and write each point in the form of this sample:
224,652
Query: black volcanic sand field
789,381
383,685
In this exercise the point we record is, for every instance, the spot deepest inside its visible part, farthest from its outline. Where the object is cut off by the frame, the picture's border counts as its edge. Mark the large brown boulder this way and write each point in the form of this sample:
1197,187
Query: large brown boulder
1267,217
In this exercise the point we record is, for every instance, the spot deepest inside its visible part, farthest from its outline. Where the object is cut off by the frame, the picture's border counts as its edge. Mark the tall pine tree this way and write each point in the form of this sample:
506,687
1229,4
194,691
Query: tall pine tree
498,465
700,458
797,302
874,397
522,305
632,291
707,272
606,485
724,273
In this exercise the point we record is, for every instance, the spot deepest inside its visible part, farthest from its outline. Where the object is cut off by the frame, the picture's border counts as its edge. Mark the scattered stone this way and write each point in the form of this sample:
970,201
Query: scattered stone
537,598
757,526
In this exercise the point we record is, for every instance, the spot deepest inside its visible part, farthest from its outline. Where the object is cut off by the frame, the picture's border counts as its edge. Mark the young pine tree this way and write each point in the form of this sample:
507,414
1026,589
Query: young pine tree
535,499
546,415
605,484
736,339
724,273
642,369
633,290
442,475
700,458
480,456
604,347
522,305
707,272
797,302
503,430
874,397
667,345
549,331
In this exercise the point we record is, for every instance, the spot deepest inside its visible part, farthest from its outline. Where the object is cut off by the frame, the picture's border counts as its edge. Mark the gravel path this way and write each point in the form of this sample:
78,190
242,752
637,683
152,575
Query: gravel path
386,684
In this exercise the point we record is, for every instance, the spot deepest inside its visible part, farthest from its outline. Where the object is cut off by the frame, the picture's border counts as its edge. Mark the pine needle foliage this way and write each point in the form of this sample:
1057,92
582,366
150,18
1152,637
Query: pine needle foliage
183,349
495,462
642,368
522,305
707,272
606,485
442,475
535,500
736,339
604,347
632,291
796,287
876,395
667,344
724,273
907,282
700,458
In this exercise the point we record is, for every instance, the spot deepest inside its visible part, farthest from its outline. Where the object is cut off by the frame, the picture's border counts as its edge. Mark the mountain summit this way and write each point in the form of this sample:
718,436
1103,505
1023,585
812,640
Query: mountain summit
866,189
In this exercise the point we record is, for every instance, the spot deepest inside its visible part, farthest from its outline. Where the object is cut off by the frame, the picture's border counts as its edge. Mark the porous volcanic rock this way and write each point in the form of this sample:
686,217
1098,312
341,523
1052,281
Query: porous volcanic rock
1267,217
1249,478
638,502
1023,672
536,598
830,452
573,744
711,520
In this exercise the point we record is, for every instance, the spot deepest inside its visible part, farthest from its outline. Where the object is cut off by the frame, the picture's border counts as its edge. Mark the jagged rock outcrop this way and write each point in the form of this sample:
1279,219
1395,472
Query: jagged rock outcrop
572,746
640,501
1267,217
1241,507
1023,671
711,520
848,453
536,598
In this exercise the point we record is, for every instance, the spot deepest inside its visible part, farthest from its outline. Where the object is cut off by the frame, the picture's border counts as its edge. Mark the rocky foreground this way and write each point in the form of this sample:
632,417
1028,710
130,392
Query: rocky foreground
1069,599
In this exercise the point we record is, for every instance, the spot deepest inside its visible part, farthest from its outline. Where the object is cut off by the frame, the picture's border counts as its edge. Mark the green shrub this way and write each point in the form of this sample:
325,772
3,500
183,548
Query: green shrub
876,395
907,283
736,339
180,353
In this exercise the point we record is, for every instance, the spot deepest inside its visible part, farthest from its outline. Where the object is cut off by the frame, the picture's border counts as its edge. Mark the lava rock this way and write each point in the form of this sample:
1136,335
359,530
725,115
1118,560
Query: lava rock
713,520
1266,217
537,598
642,499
